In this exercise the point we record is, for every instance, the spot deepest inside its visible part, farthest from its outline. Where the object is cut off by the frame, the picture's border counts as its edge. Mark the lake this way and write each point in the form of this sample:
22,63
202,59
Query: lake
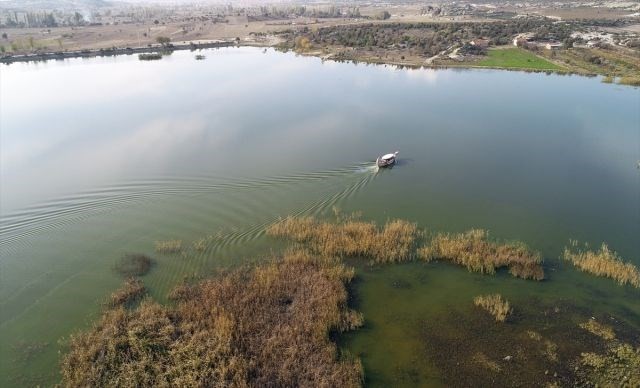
104,156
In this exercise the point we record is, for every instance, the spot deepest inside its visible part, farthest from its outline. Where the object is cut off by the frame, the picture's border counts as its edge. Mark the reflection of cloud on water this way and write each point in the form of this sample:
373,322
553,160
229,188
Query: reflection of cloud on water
78,83
427,75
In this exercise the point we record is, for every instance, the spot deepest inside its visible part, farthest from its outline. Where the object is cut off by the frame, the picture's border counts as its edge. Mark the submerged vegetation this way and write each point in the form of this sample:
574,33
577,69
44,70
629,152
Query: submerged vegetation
495,305
596,328
394,242
619,366
603,262
168,246
267,326
474,250
133,264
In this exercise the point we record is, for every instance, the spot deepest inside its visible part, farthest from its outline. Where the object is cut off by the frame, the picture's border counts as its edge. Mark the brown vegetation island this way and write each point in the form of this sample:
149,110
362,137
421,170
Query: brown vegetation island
398,241
603,262
267,326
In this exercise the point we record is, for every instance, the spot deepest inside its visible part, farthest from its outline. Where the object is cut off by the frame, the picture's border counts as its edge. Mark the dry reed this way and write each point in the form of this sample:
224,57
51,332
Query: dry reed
268,326
394,242
168,246
603,262
131,291
474,250
495,305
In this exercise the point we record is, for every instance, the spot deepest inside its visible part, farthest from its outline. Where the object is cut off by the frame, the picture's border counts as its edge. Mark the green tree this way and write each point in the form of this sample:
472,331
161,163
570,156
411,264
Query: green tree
49,21
384,15
163,40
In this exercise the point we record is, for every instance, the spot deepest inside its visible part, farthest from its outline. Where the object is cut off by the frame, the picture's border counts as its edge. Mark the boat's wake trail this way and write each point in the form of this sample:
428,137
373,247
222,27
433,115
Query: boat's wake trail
18,226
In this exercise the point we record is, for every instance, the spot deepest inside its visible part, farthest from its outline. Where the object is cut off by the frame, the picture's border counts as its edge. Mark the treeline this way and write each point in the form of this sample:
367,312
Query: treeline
432,38
42,19
281,12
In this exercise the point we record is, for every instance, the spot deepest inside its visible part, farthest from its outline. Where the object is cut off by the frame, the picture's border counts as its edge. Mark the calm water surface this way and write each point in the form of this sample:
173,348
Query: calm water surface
104,156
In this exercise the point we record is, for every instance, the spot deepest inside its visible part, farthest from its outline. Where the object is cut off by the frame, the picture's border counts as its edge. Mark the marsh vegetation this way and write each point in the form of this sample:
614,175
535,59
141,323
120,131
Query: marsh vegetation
267,326
397,241
494,305
602,262
478,253
131,291
351,237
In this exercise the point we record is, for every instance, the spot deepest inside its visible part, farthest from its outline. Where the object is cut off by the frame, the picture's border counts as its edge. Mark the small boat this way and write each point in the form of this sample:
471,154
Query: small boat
387,160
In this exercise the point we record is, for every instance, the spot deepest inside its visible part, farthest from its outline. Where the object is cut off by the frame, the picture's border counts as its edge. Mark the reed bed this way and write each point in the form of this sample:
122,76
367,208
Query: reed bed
478,253
267,326
168,246
603,262
133,264
349,237
495,305
131,291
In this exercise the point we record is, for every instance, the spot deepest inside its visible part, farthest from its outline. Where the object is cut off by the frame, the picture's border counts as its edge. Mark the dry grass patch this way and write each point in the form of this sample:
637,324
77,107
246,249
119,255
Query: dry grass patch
168,246
495,305
267,326
394,242
603,262
474,250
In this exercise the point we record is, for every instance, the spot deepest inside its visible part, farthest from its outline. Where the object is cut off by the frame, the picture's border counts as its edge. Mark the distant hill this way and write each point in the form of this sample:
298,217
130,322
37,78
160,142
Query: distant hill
53,4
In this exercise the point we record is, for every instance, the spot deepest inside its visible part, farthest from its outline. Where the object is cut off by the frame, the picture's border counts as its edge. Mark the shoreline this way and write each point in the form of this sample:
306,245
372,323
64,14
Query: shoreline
90,53
192,45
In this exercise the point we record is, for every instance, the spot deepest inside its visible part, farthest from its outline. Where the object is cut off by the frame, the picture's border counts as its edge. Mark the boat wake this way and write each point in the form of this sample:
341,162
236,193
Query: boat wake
19,226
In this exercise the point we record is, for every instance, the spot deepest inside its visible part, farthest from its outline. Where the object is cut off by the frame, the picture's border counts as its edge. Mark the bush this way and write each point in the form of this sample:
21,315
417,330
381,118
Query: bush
163,40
